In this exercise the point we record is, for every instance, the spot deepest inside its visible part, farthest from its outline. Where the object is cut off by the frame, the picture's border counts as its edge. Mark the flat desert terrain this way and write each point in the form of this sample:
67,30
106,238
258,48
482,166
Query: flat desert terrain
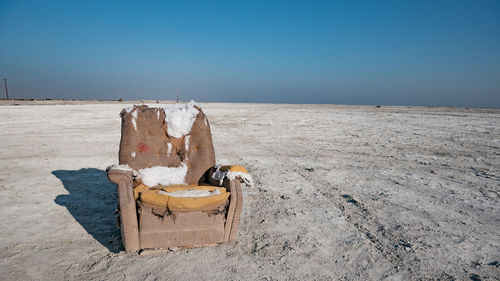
341,193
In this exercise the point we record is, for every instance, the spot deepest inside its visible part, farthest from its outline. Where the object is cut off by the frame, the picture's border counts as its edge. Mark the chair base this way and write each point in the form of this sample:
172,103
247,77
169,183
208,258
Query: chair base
182,229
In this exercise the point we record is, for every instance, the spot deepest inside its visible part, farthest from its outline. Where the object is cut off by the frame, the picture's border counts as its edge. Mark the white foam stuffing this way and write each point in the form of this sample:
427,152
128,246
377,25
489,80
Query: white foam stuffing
169,145
128,109
180,118
134,117
191,193
160,175
186,143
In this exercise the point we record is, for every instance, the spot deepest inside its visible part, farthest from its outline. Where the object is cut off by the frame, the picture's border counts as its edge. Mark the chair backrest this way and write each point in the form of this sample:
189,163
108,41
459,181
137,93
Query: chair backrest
161,137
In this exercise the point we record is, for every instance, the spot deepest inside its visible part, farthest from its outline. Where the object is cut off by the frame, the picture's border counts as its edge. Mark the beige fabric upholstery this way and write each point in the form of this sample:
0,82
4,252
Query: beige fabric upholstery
146,144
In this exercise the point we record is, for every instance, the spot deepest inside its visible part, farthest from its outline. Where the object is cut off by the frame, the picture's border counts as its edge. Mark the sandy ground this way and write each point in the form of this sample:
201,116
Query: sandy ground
342,193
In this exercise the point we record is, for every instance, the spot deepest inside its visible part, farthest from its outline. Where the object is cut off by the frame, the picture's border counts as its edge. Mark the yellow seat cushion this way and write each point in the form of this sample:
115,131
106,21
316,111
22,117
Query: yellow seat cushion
138,189
233,168
154,196
141,187
197,203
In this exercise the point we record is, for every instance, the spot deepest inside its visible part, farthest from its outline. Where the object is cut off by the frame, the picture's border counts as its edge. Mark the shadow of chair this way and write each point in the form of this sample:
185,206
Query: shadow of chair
91,201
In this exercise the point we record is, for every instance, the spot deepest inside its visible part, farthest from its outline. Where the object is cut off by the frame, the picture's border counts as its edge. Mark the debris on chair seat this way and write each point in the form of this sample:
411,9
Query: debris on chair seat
191,193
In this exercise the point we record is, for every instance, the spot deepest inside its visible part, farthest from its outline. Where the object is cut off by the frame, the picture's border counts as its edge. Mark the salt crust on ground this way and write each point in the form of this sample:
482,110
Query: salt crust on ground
366,193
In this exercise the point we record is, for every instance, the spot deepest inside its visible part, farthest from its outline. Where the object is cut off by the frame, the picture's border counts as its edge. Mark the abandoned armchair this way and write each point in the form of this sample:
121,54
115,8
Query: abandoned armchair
170,193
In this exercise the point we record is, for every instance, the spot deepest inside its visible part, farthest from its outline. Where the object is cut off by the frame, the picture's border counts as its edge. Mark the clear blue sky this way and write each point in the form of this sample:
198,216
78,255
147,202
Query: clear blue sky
373,52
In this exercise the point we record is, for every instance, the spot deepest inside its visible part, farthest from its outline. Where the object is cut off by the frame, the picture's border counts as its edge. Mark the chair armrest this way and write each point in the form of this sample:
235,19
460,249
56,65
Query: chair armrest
115,175
234,210
218,182
128,211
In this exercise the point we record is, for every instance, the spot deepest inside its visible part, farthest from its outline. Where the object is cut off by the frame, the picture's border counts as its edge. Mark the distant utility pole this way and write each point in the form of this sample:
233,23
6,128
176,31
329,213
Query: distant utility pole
177,101
6,90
